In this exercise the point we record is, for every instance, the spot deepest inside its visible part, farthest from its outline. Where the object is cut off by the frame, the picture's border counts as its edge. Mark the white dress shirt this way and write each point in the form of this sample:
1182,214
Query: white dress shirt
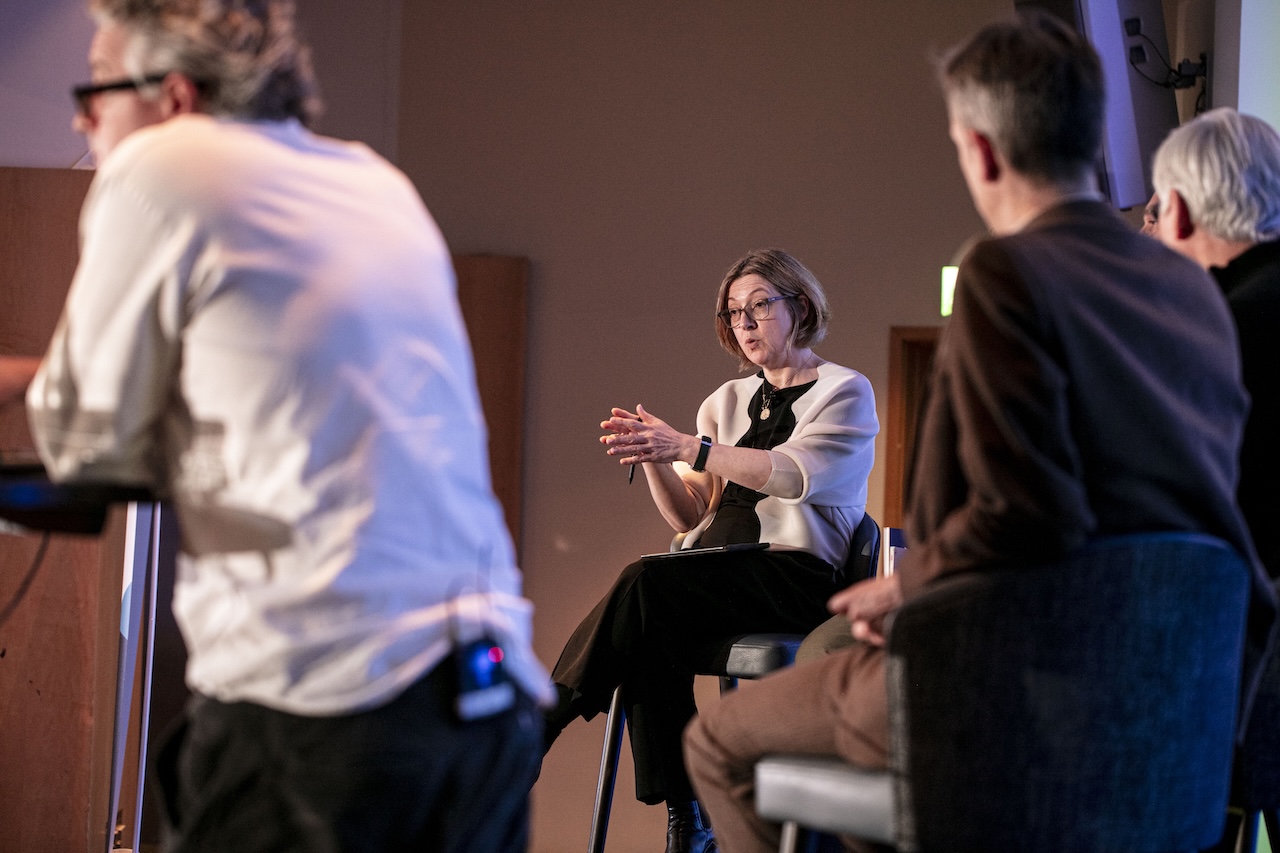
264,328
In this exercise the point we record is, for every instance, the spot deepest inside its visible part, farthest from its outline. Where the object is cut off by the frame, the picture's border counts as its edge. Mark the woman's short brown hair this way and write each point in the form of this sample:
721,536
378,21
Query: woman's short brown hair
809,313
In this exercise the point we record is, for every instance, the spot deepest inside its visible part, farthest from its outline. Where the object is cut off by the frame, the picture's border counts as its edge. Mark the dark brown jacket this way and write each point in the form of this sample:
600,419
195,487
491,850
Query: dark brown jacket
1088,384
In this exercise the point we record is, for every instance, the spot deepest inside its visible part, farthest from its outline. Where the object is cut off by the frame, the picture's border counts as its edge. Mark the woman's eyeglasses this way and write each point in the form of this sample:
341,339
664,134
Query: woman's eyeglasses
757,311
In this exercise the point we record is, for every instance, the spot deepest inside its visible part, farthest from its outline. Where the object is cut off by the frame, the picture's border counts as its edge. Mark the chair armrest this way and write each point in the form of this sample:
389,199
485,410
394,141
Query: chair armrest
746,655
826,794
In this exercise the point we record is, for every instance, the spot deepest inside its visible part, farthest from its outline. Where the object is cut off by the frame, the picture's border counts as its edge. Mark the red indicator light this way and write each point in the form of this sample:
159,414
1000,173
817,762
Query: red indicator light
495,654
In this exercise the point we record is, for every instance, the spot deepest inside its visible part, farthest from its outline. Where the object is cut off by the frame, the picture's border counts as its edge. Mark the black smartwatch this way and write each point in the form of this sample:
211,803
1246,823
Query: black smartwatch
700,463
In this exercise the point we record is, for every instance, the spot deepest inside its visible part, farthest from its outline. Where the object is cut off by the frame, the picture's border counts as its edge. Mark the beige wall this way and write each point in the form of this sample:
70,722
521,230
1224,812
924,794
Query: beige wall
633,151
42,55
356,53
43,47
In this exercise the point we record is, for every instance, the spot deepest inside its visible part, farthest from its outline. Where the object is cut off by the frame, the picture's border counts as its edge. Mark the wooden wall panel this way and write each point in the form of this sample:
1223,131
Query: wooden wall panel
492,291
39,212
58,645
911,350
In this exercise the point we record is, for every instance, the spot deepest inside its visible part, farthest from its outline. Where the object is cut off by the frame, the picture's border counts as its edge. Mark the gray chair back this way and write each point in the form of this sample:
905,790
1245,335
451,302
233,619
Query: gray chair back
1083,705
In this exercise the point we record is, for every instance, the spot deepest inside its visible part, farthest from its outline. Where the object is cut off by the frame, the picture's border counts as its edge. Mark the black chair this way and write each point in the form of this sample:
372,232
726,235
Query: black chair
836,633
743,656
1084,705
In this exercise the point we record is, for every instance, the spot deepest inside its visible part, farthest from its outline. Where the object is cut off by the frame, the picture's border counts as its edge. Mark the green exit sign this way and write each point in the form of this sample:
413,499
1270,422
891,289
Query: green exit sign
948,288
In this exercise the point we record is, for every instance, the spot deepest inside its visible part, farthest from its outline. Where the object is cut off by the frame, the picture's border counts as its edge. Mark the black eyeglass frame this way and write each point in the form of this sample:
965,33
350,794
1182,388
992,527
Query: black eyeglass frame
84,93
724,316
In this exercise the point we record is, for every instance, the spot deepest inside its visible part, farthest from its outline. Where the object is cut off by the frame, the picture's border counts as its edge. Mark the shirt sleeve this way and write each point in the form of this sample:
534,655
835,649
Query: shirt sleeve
785,479
995,473
96,403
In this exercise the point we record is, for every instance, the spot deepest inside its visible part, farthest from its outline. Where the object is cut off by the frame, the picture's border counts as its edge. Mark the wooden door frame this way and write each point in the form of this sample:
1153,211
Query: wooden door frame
911,350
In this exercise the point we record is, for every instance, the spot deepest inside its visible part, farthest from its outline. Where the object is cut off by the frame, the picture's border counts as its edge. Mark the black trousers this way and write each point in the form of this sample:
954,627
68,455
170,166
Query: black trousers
644,635
407,776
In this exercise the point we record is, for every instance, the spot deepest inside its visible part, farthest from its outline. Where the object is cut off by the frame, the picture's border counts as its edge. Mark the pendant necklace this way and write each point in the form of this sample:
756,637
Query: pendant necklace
766,400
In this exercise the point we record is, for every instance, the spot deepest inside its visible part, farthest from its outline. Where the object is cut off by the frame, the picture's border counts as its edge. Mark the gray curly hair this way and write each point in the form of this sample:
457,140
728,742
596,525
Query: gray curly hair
243,55
1226,167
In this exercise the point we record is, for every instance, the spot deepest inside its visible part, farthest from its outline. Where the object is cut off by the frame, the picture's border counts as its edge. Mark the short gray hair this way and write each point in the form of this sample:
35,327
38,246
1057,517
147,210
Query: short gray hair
1035,88
1226,167
243,55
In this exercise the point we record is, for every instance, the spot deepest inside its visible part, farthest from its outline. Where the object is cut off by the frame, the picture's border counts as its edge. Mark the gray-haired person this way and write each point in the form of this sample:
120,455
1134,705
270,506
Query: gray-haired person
1218,181
263,328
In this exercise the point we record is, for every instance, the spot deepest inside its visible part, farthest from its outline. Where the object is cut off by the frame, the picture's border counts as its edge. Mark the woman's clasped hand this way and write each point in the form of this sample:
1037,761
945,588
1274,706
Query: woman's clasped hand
638,437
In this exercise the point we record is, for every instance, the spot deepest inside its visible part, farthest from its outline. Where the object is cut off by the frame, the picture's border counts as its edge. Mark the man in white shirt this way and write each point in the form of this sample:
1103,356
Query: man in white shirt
263,328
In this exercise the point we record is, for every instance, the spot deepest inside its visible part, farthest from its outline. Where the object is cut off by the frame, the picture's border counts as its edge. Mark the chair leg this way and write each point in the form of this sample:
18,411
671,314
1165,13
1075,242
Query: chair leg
1248,833
790,831
608,772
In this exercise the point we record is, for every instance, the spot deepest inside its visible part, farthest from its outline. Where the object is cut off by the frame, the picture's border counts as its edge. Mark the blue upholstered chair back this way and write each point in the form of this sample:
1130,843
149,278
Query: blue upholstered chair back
1084,705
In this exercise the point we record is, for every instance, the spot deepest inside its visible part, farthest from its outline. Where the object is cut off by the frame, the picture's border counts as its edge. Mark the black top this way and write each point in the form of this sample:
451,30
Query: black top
1252,285
736,520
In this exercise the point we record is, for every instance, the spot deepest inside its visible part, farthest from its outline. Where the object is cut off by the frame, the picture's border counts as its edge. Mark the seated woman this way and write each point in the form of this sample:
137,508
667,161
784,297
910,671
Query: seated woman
782,458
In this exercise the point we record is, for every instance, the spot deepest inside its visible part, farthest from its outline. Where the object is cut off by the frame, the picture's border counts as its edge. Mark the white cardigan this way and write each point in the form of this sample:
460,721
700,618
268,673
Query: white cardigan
817,493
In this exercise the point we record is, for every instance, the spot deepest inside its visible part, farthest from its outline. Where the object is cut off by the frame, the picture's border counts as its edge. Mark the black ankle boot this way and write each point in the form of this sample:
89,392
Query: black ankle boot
688,830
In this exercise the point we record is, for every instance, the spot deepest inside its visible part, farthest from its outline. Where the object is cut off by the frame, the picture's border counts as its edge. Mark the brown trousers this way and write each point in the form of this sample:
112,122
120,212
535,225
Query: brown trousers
835,705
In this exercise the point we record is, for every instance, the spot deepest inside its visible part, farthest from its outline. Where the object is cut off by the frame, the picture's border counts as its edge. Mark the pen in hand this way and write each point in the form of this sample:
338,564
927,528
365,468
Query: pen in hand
631,475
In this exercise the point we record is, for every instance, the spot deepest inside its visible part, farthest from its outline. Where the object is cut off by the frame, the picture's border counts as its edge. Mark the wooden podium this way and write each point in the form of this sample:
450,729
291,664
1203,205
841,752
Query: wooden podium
30,505
59,647
90,660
